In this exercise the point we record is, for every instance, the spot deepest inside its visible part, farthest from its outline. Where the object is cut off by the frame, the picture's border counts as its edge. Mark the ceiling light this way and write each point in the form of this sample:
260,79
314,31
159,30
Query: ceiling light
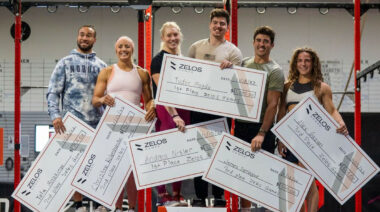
83,9
260,10
176,10
115,9
198,10
52,8
323,11
292,10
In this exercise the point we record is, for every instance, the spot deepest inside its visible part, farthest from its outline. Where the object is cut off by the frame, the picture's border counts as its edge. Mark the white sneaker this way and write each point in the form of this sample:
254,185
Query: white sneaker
81,209
101,209
118,210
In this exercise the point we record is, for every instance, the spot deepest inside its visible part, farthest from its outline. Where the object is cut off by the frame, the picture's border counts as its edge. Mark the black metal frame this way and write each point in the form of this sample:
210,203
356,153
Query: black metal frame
369,70
157,4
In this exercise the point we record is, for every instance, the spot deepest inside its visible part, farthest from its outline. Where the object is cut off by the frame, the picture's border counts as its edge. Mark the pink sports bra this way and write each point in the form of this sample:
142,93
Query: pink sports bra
126,84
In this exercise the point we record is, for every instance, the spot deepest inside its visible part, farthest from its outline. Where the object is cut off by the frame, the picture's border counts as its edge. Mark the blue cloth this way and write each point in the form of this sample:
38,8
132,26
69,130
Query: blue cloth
72,83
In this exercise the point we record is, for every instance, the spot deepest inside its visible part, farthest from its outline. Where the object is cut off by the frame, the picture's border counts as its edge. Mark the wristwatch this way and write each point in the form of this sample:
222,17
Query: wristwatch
262,131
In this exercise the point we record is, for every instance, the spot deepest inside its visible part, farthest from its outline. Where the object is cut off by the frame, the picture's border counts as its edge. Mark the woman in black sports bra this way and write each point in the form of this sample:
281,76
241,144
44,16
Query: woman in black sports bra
304,79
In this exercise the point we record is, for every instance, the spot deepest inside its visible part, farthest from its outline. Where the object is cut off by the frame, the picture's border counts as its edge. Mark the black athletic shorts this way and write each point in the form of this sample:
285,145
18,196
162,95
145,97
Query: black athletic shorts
246,131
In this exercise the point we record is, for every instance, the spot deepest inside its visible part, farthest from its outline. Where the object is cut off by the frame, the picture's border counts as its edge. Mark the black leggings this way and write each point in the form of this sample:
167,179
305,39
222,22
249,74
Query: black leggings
201,189
201,186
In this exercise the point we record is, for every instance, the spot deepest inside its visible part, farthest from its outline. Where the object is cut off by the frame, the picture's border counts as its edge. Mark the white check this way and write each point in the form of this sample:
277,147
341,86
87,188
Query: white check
106,166
46,185
200,85
170,156
260,177
309,132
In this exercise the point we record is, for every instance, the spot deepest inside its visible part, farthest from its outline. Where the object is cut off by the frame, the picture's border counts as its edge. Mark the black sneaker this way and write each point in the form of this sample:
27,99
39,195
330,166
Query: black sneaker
199,203
219,203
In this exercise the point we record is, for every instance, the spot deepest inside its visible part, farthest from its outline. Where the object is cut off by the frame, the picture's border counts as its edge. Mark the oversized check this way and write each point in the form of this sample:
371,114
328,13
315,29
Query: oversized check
200,85
309,132
46,185
260,177
105,168
171,155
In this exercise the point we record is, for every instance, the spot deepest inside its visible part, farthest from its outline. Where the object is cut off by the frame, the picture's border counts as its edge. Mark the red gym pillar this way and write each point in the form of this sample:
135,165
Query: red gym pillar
17,177
141,63
232,7
144,59
234,40
358,195
148,59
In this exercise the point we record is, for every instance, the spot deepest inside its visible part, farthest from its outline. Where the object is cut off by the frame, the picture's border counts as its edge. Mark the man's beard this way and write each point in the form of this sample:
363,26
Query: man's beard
84,49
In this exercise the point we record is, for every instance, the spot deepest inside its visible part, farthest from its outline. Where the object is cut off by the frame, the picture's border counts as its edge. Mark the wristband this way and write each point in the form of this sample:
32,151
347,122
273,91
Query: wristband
173,116
262,131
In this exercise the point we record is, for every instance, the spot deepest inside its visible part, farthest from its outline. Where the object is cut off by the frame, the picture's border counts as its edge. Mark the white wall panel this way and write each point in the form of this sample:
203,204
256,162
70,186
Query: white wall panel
54,35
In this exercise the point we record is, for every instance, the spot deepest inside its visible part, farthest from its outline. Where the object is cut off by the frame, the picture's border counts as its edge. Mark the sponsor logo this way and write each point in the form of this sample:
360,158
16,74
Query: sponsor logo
33,181
317,118
151,144
228,146
240,151
173,65
138,147
185,67
25,192
88,166
81,180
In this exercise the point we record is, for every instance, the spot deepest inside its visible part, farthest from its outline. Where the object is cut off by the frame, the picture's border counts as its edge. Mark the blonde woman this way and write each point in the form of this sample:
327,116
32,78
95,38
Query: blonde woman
168,117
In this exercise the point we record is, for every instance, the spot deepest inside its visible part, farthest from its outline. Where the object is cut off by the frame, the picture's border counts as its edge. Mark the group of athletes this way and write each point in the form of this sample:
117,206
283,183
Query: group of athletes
83,84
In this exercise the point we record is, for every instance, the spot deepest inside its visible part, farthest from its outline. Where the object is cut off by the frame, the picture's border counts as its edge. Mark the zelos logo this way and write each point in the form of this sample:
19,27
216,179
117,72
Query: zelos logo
240,151
228,146
138,147
173,65
318,118
154,144
185,67
34,179
188,68
246,153
88,166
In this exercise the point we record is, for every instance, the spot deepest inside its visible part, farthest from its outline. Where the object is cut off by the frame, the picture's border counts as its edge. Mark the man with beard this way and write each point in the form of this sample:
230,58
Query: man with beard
72,83
259,134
